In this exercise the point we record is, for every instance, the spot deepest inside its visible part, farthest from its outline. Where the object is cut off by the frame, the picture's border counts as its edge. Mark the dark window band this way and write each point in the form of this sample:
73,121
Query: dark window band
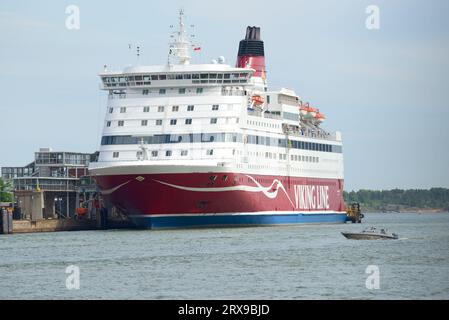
220,137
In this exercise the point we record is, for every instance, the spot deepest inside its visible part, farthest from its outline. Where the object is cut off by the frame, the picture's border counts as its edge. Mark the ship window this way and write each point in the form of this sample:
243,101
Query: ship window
162,91
111,110
220,76
144,122
195,76
179,76
162,77
210,152
227,75
215,107
187,76
199,90
184,152
115,154
160,109
170,76
145,92
108,124
154,77
159,122
175,108
122,109
154,153
224,178
212,178
213,120
189,121
146,109
173,122
204,76
168,153
212,76
182,90
190,108
121,123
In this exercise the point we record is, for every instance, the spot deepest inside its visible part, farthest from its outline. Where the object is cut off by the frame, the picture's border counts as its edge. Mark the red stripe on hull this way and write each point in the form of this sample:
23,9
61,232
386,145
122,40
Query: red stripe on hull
194,193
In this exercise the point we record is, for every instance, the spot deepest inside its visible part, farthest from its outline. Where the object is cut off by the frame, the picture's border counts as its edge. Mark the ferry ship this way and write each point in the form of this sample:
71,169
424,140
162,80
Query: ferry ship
210,145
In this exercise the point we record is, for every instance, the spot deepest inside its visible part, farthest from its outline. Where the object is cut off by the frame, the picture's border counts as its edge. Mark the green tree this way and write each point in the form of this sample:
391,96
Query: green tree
5,191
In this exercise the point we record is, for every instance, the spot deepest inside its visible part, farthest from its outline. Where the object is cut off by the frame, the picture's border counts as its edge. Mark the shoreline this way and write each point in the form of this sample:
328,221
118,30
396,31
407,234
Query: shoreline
408,210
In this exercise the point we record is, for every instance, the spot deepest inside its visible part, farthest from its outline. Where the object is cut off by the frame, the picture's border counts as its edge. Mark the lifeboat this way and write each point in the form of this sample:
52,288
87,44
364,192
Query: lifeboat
257,100
307,111
319,117
312,112
303,108
81,211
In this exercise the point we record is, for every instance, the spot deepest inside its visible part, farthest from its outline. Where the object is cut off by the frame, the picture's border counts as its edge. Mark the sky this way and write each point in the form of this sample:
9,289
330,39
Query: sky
385,89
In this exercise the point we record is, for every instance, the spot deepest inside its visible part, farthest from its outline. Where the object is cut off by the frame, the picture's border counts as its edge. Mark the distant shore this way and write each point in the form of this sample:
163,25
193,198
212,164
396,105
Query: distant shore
406,210
432,200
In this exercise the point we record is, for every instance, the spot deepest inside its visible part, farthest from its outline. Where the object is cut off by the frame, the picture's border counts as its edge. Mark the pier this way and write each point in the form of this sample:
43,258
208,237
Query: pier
56,193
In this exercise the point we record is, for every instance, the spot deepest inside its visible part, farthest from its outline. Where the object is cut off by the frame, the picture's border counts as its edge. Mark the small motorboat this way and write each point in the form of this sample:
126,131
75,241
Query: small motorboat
371,234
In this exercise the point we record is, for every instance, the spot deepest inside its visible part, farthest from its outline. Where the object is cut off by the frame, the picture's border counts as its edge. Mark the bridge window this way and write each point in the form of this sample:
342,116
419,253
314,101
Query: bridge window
159,122
115,154
144,122
121,123
213,120
146,109
190,108
188,121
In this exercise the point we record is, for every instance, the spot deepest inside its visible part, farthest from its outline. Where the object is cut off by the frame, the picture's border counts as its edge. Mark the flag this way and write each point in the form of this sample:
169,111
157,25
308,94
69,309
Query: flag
197,49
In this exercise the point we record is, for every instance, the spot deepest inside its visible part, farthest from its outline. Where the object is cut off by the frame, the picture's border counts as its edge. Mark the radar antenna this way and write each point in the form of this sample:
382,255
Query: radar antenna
180,47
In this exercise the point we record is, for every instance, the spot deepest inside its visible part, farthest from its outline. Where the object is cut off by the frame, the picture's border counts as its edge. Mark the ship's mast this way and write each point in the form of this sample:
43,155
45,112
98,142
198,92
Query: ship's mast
179,48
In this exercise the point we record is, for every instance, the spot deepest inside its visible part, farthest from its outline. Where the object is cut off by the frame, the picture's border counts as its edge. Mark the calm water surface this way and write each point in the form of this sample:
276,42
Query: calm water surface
285,262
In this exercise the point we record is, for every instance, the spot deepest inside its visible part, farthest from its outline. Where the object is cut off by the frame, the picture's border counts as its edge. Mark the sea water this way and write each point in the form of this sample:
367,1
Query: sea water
279,262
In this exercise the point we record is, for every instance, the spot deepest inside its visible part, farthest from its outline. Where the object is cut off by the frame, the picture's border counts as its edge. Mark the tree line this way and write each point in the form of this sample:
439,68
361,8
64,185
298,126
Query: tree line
397,199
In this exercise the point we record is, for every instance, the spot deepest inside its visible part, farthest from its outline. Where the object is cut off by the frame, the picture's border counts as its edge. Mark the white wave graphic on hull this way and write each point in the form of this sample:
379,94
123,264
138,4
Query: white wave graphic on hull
275,186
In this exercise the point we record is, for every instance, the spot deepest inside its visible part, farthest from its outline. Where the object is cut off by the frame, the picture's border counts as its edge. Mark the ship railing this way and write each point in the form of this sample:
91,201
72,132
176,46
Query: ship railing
308,132
232,92
316,134
261,114
117,96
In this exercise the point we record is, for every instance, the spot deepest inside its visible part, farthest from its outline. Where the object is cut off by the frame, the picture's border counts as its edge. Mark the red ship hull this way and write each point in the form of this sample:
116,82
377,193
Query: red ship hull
220,194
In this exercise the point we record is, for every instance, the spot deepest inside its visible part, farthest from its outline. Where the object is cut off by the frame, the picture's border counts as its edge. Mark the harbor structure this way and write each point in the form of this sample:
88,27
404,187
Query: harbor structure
53,186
